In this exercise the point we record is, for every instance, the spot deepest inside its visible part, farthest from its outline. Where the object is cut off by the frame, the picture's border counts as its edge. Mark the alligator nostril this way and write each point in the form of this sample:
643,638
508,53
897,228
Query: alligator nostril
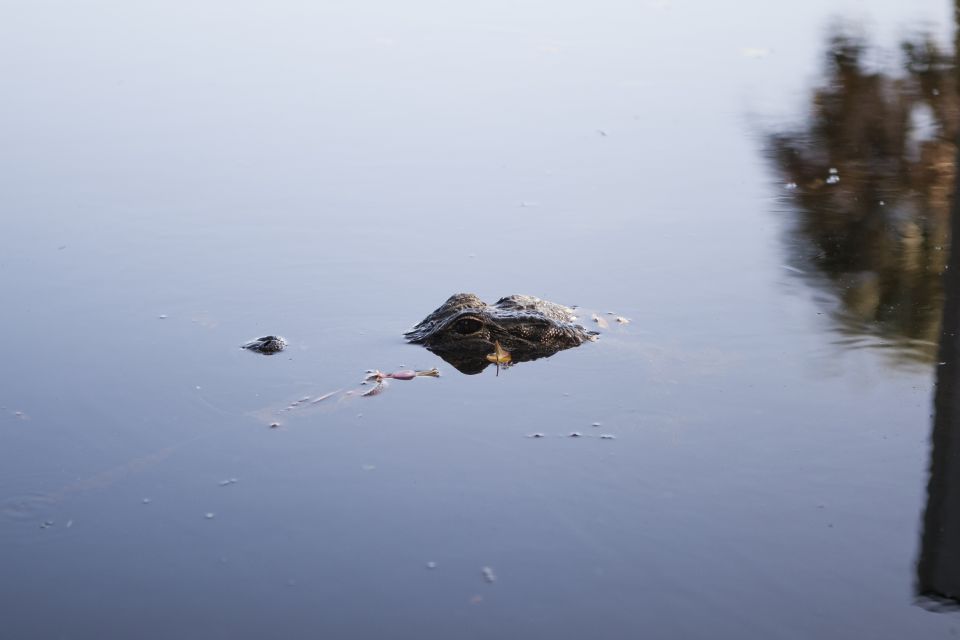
466,326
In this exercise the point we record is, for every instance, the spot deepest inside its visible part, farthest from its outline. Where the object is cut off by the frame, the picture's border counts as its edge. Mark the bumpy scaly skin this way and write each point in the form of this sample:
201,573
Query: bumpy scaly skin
465,329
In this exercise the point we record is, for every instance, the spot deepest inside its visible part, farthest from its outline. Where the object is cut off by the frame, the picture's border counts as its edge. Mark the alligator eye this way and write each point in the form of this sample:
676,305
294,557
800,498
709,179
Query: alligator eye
466,326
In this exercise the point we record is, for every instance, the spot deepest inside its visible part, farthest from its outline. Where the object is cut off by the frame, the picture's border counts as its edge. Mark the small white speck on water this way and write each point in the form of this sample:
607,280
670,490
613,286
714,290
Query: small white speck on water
833,179
608,436
536,435
790,185
431,565
488,575
210,515
162,316
595,424
228,481
882,203
146,501
833,171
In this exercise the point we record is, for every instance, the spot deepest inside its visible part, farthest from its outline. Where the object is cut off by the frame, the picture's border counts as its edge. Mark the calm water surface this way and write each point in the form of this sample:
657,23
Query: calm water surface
179,179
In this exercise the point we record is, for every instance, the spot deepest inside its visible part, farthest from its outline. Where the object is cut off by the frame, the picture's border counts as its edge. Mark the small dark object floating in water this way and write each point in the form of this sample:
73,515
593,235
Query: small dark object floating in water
267,345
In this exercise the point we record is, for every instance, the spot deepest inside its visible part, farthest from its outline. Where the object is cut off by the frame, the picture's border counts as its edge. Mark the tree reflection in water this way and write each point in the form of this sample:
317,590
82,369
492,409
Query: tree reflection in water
938,565
870,177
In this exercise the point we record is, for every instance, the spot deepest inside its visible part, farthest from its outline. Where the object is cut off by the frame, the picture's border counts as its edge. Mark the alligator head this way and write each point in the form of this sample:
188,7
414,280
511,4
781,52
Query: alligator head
465,330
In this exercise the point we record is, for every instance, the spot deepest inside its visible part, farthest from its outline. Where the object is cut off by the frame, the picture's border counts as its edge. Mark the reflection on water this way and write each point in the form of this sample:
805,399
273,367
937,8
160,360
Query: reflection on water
872,176
938,568
869,175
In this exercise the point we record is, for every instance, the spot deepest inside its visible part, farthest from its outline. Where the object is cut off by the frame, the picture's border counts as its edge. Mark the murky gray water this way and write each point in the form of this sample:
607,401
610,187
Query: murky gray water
178,180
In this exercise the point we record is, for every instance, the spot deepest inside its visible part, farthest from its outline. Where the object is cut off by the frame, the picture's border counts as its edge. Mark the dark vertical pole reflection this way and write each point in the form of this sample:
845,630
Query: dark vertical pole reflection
938,569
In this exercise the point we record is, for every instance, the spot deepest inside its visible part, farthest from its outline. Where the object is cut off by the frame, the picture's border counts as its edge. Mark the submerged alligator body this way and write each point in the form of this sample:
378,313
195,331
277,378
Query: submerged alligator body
465,330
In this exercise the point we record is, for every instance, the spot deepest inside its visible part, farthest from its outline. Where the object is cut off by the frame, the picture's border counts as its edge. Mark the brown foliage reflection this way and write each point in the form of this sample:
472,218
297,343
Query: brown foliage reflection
869,177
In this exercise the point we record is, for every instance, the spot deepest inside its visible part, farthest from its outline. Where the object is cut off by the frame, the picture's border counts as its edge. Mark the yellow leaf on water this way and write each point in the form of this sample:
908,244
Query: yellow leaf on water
499,355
